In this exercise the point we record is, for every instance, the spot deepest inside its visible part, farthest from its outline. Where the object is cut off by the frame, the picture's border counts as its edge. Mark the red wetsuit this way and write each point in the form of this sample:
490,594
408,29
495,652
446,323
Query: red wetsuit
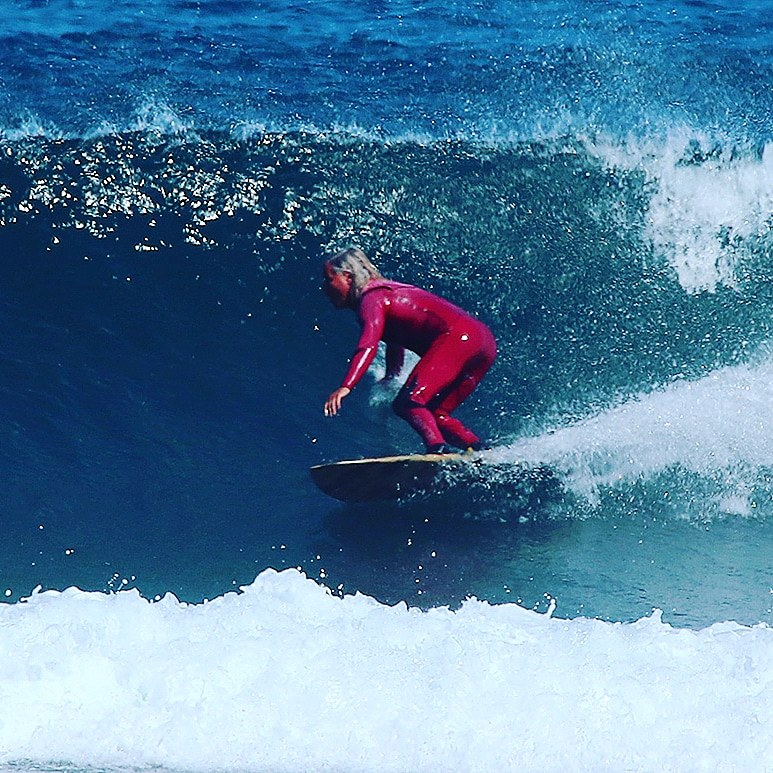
456,350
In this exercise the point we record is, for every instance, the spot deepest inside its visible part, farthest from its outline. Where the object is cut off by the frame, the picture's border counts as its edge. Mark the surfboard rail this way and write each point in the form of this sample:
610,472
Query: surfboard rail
387,477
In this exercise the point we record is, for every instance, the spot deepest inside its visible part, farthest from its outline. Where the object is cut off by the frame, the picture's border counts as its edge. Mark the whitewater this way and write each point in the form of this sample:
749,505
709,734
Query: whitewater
285,676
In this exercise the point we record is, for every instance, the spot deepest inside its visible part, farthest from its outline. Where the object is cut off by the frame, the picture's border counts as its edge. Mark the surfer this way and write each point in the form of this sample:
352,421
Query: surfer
456,350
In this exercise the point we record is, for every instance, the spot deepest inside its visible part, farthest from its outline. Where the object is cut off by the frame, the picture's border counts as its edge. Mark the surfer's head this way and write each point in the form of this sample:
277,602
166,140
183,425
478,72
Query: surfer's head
346,275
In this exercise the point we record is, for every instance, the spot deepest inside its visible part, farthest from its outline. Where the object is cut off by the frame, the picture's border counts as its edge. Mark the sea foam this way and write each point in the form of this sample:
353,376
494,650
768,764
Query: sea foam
286,676
716,427
710,200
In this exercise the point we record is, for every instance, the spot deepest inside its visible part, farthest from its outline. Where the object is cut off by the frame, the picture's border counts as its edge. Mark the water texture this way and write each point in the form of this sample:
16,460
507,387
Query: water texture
593,180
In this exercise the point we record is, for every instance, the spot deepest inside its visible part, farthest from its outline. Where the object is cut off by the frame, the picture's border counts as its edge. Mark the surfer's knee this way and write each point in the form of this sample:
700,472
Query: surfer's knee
403,405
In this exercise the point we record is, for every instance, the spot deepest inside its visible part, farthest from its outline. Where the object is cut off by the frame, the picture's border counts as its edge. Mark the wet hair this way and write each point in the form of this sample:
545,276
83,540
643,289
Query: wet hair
357,264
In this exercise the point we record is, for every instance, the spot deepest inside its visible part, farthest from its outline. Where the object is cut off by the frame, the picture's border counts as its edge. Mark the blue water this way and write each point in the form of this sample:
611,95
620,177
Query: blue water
594,180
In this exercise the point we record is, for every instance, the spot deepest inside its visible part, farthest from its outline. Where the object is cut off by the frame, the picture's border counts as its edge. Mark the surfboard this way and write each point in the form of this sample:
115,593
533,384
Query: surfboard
400,477
388,477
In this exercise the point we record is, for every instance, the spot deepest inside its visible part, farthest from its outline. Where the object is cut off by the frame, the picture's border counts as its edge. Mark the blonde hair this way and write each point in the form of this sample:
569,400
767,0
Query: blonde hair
356,262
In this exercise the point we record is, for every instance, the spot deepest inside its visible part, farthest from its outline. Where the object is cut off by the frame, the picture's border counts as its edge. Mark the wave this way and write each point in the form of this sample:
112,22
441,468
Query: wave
283,676
163,296
591,246
713,429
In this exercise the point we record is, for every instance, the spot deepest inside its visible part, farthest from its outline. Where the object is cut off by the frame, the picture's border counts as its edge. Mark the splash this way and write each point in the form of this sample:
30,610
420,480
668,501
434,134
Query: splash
717,428
710,199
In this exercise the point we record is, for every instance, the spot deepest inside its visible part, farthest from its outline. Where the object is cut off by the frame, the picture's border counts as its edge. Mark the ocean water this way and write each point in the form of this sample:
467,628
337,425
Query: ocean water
593,180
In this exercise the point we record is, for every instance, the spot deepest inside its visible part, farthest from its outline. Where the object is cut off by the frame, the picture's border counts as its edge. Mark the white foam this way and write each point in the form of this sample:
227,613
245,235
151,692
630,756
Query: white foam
719,427
155,115
30,125
286,676
704,215
382,393
151,116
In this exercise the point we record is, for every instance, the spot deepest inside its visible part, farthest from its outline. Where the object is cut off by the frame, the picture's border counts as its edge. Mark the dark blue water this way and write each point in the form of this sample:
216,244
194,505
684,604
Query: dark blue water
593,180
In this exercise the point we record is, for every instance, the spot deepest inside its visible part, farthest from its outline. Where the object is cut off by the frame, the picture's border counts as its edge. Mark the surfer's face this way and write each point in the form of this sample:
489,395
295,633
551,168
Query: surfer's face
337,285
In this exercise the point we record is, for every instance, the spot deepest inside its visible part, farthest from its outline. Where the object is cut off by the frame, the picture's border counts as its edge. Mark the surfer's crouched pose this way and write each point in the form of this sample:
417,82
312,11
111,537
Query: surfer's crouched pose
456,349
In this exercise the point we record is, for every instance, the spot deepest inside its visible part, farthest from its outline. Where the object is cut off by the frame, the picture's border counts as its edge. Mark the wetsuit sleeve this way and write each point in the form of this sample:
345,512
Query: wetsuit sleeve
371,313
395,356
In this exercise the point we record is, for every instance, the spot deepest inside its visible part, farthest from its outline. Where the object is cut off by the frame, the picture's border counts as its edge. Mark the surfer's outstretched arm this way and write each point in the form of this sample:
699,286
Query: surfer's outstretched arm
372,320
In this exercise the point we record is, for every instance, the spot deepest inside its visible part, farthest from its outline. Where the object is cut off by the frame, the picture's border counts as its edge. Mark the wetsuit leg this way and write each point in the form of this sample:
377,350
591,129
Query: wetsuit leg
419,417
447,374
454,432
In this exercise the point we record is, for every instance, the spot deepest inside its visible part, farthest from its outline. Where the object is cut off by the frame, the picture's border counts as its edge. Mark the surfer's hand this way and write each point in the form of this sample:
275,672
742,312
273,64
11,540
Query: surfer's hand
333,404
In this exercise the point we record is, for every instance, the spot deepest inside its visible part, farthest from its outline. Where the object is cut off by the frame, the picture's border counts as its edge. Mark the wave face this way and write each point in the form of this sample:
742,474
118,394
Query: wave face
595,183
